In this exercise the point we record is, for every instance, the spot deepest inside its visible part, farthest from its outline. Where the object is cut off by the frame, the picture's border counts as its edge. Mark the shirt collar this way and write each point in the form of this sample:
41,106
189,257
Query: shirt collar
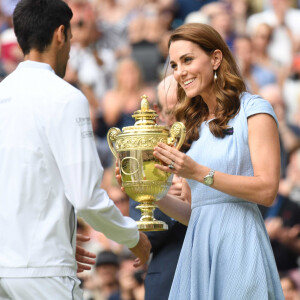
34,64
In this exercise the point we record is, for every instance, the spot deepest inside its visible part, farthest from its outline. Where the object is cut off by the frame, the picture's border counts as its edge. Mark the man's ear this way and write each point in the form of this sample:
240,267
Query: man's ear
60,34
217,57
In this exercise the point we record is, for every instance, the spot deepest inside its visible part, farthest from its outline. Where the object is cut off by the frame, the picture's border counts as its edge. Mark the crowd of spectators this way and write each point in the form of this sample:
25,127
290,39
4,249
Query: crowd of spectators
119,53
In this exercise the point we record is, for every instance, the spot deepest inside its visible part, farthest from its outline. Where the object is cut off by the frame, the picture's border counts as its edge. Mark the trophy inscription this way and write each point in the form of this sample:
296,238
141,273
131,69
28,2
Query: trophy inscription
134,150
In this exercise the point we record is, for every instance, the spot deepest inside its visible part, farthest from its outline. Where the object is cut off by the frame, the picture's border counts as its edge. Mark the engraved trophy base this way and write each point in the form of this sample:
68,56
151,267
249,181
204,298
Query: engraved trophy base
154,225
147,221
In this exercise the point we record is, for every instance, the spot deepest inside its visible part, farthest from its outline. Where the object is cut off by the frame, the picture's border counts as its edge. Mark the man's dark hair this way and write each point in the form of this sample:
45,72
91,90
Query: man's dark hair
36,20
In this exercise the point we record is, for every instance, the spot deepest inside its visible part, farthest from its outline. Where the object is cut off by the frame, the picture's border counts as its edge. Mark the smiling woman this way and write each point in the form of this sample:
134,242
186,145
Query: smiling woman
206,61
231,166
193,68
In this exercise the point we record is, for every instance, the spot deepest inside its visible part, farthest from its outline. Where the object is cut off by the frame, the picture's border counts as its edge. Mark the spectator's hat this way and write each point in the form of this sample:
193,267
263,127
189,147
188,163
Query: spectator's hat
107,258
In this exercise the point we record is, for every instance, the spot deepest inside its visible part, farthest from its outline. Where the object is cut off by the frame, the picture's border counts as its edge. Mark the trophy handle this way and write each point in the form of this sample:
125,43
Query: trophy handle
177,131
111,138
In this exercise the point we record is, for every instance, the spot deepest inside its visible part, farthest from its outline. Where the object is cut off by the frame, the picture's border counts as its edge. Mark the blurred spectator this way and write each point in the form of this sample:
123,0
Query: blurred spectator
240,10
115,278
11,54
285,21
144,33
124,99
289,288
104,281
197,17
166,101
292,186
107,267
256,76
221,19
90,67
289,134
131,280
291,92
166,15
113,17
282,221
261,38
283,226
8,6
147,33
164,68
184,7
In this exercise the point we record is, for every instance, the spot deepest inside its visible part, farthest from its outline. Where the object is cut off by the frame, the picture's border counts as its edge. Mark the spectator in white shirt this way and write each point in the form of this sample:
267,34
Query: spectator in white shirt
285,22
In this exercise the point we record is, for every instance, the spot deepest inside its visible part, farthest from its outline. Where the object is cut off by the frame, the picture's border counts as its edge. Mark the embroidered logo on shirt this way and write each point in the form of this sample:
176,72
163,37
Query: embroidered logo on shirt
86,134
6,100
85,125
83,121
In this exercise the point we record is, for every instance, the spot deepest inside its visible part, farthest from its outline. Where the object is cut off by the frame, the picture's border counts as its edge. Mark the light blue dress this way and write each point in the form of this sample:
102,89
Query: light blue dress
226,253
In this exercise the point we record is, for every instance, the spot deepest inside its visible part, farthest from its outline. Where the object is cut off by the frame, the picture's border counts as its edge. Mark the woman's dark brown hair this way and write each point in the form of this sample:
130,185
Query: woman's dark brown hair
227,87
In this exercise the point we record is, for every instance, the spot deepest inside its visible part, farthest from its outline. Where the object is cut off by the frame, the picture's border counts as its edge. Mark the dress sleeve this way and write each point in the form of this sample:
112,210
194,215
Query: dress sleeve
254,104
72,143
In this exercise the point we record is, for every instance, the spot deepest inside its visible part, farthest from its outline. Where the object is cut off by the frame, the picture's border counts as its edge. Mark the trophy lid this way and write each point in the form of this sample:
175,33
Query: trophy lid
145,116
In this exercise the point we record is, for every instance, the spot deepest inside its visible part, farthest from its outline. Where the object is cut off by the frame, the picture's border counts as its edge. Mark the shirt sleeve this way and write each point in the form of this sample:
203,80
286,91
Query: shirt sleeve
254,104
71,140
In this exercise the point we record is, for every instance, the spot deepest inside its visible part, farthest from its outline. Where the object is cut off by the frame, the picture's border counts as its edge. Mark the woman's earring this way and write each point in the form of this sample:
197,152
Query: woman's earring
215,76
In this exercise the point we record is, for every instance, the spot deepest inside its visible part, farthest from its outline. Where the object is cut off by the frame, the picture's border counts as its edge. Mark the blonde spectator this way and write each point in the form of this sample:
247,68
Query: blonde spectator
256,76
261,39
120,102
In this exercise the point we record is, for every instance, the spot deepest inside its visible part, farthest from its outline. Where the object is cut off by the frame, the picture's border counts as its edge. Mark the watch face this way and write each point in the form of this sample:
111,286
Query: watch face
209,180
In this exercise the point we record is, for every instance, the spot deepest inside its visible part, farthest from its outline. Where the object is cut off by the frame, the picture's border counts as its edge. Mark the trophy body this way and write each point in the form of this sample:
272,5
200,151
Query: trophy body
134,150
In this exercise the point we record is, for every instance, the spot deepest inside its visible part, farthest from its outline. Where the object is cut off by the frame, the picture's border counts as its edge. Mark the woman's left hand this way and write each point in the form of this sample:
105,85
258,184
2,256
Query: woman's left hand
176,161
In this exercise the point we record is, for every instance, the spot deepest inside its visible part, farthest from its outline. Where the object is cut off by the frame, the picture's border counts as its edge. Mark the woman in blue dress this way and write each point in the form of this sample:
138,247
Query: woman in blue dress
232,163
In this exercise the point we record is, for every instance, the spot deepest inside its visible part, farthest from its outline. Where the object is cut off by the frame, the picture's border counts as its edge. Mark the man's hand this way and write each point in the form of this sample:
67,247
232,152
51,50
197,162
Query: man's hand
118,176
84,258
141,250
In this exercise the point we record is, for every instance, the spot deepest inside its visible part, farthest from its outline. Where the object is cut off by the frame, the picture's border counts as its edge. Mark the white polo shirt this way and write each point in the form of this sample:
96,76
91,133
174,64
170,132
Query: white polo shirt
49,170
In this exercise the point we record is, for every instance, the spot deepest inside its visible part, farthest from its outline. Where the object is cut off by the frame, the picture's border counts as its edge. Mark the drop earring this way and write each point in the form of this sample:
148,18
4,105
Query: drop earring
215,76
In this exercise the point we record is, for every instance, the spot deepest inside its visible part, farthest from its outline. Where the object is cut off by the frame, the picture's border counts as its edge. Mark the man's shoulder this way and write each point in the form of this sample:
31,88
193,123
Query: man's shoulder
57,91
65,91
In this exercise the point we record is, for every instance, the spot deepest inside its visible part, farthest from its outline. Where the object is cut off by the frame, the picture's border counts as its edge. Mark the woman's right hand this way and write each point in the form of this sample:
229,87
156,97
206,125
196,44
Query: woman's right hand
180,188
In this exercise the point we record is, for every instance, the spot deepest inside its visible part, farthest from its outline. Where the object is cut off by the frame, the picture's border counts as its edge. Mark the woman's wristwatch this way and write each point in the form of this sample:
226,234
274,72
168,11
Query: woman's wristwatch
209,179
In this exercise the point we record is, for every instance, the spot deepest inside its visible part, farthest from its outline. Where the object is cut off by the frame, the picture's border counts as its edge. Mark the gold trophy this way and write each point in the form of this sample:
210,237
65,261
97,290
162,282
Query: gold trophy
134,150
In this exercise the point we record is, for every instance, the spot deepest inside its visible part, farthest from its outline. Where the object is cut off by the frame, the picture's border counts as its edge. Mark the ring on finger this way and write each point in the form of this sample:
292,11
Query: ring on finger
171,165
